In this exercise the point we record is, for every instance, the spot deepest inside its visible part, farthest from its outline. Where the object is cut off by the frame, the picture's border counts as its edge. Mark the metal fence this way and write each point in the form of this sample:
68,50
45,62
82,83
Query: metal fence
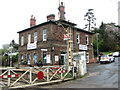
30,76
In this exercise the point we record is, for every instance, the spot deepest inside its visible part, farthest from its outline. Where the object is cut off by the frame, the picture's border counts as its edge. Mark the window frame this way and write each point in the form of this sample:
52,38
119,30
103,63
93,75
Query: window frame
35,54
29,38
35,36
87,40
22,40
44,35
78,38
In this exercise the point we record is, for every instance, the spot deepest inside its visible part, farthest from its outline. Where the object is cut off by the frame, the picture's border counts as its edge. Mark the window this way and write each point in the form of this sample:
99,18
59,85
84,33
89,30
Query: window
28,57
35,58
78,38
22,59
29,38
35,36
22,40
86,40
44,35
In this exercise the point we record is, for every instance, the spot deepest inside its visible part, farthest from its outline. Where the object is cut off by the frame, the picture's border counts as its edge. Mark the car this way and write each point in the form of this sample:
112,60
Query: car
111,58
105,59
116,54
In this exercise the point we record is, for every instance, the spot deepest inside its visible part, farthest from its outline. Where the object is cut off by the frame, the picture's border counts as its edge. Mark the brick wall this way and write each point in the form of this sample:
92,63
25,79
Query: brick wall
54,39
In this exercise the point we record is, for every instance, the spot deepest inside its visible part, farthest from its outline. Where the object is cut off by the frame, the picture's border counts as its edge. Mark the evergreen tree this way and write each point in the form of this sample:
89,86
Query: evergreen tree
90,18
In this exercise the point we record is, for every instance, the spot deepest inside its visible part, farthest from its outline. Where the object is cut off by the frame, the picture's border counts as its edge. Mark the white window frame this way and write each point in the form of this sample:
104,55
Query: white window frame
78,38
35,36
44,35
29,38
87,40
22,40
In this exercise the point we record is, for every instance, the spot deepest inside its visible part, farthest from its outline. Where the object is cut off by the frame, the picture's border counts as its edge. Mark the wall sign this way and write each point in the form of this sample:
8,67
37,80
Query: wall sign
43,49
48,58
31,46
56,58
82,47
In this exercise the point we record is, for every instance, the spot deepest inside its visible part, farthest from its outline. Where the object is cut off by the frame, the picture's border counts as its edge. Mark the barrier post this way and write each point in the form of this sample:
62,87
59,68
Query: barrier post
30,75
73,72
61,72
48,74
8,77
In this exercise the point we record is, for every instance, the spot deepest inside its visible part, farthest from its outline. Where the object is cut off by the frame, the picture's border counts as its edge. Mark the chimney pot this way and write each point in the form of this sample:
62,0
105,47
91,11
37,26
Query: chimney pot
32,21
51,17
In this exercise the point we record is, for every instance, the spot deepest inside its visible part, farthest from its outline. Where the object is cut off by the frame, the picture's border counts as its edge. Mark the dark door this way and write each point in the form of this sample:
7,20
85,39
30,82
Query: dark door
62,60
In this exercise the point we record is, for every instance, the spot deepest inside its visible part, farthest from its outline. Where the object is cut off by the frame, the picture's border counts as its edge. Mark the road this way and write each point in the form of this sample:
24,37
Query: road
100,76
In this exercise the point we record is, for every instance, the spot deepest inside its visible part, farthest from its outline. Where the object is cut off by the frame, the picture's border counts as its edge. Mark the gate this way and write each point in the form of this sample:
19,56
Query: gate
29,76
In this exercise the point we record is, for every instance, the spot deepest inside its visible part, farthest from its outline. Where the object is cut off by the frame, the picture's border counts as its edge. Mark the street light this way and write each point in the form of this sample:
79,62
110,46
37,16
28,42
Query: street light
97,45
10,48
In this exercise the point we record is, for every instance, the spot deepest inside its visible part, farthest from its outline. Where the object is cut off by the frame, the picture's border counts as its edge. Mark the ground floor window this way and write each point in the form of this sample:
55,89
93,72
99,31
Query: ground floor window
87,57
44,58
28,57
35,58
22,59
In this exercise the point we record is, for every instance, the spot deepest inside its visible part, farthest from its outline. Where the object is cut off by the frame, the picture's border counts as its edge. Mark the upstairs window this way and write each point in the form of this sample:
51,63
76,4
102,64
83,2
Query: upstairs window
87,42
35,36
29,38
44,35
22,40
78,38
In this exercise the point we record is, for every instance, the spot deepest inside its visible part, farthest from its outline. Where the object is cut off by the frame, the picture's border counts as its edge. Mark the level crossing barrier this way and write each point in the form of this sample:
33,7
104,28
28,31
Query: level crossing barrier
30,76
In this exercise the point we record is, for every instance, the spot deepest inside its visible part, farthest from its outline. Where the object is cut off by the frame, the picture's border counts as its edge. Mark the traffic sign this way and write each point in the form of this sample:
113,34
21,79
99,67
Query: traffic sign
40,75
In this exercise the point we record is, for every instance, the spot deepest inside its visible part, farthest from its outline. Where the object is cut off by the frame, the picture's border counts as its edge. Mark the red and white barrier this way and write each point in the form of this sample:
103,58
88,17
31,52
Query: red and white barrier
62,71
9,76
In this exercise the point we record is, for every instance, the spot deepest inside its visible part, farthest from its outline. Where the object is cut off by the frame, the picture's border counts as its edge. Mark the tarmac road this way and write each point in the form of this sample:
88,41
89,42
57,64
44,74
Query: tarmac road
100,76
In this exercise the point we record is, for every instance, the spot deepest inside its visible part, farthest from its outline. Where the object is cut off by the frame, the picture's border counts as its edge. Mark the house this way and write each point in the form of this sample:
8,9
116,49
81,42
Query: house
46,42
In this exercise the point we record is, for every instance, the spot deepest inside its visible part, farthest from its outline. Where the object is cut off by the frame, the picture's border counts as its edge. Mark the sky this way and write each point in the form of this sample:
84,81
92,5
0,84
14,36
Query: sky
15,14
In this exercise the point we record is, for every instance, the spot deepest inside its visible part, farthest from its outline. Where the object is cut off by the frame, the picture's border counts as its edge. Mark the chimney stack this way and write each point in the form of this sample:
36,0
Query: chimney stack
32,21
61,12
51,17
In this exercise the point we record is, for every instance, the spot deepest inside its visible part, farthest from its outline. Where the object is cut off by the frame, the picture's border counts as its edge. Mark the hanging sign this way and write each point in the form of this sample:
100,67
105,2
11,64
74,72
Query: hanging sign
66,36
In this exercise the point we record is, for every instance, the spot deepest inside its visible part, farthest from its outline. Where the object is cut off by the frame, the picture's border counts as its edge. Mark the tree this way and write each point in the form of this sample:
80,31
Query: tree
14,45
108,42
89,16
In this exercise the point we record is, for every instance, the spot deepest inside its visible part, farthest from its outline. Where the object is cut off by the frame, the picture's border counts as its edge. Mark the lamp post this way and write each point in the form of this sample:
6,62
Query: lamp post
97,45
10,48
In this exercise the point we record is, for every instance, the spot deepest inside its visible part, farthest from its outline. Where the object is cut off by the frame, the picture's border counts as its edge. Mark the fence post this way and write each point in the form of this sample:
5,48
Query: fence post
61,72
30,75
48,74
73,72
8,78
